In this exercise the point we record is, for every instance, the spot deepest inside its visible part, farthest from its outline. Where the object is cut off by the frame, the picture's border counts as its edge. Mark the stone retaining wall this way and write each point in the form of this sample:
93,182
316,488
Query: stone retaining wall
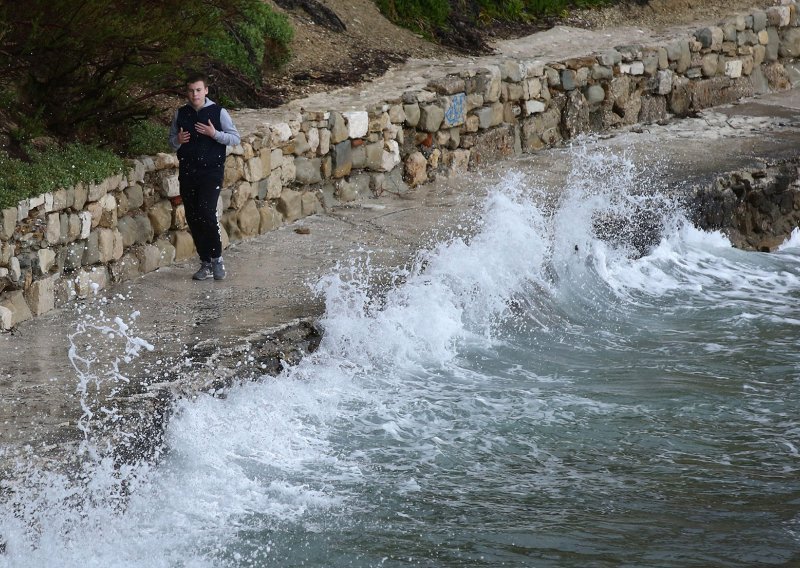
65,244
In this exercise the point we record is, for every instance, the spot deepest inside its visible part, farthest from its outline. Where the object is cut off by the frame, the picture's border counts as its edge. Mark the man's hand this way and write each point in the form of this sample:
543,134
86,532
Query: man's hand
183,136
206,129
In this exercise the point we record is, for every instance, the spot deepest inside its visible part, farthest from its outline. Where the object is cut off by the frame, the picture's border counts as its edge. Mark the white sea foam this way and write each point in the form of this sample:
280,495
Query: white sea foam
452,291
792,242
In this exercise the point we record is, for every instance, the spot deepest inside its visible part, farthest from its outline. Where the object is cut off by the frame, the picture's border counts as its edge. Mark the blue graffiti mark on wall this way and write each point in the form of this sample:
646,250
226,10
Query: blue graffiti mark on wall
455,113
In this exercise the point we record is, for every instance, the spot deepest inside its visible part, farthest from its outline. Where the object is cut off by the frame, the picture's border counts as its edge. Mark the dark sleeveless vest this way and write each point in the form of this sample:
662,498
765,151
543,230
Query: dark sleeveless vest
201,154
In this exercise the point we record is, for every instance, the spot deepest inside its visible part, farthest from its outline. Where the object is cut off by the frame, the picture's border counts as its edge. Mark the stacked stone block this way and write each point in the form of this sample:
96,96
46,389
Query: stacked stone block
73,241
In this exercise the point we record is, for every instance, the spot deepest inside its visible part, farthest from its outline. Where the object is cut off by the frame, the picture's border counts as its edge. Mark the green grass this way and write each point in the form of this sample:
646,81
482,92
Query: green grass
54,169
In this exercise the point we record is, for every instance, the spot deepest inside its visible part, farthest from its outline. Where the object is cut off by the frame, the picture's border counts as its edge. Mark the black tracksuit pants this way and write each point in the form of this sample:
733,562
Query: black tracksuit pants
200,193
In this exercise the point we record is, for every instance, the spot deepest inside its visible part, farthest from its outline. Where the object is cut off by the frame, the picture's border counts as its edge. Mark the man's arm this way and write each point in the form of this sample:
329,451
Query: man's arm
228,135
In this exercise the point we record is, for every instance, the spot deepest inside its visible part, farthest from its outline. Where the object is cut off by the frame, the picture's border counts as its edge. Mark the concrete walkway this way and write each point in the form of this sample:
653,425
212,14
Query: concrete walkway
269,276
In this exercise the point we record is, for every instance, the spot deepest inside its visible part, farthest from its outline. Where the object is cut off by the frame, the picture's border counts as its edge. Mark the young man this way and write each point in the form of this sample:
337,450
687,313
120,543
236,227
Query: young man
199,133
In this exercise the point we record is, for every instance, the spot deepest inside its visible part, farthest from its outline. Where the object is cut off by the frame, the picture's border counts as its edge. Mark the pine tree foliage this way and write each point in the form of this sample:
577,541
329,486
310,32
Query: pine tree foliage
86,67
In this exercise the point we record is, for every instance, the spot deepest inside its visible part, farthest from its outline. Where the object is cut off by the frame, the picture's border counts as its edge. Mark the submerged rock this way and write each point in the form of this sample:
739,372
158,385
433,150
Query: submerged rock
144,407
638,232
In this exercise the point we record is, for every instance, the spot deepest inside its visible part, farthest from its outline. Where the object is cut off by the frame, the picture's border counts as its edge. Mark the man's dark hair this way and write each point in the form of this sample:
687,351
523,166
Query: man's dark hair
195,76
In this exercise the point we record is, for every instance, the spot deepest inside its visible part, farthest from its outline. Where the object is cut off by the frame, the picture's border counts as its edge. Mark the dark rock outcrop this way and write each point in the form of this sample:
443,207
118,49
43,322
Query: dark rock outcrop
757,210
320,14
143,410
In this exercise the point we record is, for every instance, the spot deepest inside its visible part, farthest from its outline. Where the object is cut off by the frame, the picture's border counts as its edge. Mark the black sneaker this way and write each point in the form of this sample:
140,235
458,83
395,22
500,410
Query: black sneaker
204,272
218,269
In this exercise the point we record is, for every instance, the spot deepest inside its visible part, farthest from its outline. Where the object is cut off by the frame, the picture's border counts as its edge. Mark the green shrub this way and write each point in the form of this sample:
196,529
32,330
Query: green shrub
506,10
422,16
561,7
53,169
29,126
146,137
432,16
241,43
86,68
523,10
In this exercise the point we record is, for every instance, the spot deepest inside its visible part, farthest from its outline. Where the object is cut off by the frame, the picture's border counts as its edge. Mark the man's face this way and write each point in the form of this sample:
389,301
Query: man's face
196,93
